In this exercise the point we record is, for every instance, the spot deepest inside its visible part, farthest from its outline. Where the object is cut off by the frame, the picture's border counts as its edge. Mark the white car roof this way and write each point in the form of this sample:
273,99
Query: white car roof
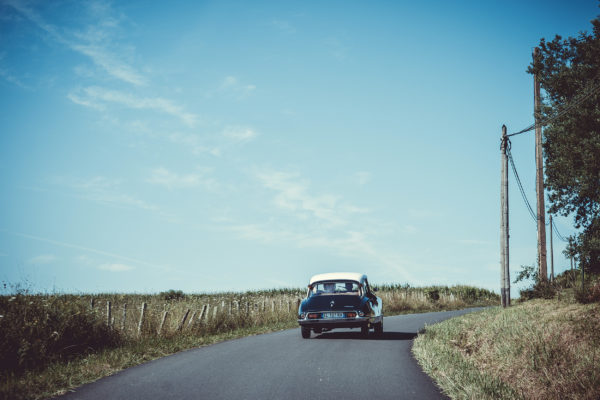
341,276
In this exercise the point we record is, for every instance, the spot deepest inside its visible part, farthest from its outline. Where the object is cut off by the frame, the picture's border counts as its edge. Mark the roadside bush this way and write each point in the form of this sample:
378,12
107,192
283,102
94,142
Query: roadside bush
172,295
37,330
432,294
590,295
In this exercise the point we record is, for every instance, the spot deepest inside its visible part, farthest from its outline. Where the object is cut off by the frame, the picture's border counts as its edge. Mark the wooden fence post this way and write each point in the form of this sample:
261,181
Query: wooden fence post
272,306
202,313
108,314
92,303
215,309
142,314
162,322
191,321
180,327
124,317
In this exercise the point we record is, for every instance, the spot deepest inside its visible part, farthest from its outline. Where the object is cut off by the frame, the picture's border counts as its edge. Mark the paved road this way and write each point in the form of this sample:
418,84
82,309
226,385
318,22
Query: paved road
281,365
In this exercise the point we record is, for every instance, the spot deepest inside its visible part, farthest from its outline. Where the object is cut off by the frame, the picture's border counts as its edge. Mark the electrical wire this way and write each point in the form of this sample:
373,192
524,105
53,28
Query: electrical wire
520,185
562,112
532,213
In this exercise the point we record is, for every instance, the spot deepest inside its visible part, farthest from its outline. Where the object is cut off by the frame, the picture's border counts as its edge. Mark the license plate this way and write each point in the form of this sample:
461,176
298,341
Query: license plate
328,315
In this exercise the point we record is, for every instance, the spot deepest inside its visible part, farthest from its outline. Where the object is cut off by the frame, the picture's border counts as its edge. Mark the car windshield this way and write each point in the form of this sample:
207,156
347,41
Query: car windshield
334,287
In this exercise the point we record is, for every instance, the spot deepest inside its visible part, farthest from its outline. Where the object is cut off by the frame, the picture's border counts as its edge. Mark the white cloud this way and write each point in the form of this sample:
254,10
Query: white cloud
283,25
231,86
363,177
293,195
107,191
350,244
111,64
95,96
239,133
162,176
116,267
88,42
42,259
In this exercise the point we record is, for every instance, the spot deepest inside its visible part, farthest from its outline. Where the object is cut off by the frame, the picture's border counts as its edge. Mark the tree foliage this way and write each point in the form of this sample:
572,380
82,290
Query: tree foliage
569,73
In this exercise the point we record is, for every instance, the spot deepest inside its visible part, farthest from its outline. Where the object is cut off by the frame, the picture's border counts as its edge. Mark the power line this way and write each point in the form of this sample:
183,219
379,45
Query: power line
516,174
562,112
561,237
532,213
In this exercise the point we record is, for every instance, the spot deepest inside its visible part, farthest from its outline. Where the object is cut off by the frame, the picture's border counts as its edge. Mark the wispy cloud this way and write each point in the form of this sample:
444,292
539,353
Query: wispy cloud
95,96
338,49
194,143
363,177
42,259
107,191
88,249
284,26
350,244
239,133
116,267
231,86
292,194
87,43
111,64
162,176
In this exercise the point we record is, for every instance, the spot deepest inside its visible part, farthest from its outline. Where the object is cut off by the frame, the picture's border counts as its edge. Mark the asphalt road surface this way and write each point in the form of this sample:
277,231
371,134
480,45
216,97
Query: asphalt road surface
334,365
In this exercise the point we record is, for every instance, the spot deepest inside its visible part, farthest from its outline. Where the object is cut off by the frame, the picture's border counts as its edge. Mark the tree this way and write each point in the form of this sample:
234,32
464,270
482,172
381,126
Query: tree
569,73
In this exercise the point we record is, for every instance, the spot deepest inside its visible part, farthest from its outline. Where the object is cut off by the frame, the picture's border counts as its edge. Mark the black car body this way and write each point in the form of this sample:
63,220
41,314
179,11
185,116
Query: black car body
340,300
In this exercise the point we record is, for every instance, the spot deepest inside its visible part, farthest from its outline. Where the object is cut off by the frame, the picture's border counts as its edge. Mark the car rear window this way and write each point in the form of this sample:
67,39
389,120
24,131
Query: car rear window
334,287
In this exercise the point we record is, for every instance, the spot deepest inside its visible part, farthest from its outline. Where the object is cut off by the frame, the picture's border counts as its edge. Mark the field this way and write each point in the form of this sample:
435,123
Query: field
52,342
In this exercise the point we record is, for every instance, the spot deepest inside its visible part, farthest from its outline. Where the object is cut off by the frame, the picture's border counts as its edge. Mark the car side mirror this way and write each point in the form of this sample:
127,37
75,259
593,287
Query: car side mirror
376,289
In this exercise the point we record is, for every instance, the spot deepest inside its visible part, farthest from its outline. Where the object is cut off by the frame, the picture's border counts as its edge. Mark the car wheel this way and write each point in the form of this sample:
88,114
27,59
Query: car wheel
379,328
364,330
305,332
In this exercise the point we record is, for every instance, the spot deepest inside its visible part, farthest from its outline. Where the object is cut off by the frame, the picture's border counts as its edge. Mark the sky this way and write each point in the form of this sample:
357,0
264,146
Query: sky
206,146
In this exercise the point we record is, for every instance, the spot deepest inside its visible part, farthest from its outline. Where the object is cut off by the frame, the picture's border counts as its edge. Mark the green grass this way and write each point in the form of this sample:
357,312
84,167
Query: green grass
541,349
51,343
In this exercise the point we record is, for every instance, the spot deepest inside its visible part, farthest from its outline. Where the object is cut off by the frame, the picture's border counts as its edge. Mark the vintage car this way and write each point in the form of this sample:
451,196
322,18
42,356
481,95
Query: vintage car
340,300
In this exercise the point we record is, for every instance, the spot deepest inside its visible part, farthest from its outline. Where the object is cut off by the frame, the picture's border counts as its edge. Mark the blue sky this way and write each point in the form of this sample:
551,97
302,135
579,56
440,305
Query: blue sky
209,146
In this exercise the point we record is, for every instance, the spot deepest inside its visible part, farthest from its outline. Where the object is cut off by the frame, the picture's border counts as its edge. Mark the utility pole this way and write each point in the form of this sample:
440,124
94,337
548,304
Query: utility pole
551,253
539,175
504,270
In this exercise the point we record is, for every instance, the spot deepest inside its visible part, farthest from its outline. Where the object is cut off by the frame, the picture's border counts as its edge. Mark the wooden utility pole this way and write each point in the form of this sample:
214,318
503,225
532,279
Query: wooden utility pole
551,253
504,270
539,175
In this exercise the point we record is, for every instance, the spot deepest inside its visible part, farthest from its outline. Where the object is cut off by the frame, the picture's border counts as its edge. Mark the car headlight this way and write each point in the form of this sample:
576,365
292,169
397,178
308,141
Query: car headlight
361,314
302,315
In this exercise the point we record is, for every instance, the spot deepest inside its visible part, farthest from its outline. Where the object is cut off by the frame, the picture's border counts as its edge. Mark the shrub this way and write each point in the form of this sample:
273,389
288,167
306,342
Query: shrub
37,330
172,295
432,294
591,295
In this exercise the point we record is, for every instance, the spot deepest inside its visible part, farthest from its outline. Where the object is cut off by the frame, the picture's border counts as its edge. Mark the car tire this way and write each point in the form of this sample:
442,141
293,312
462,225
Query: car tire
364,330
379,328
305,332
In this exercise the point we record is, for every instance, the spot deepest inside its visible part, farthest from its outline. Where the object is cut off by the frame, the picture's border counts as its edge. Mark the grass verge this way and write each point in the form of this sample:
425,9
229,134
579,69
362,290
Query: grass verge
540,349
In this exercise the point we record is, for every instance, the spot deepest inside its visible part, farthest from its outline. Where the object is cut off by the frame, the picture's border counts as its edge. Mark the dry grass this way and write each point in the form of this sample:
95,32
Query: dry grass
50,343
542,349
